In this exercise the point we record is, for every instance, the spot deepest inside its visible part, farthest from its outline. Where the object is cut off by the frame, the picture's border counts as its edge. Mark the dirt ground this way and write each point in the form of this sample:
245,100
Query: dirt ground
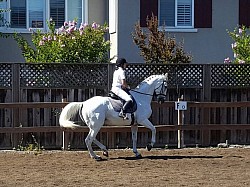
170,167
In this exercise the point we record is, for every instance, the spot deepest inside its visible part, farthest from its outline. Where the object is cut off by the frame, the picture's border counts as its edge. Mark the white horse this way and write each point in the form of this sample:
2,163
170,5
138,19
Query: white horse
97,111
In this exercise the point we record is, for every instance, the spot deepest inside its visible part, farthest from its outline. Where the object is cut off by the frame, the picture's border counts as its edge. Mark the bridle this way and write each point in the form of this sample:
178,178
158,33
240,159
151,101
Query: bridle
154,94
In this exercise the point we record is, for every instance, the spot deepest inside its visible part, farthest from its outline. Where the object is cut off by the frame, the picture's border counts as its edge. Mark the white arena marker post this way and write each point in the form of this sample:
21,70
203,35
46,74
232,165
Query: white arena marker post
180,106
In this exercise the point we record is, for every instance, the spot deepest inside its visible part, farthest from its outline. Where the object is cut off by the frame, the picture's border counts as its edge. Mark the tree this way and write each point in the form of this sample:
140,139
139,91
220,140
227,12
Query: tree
158,47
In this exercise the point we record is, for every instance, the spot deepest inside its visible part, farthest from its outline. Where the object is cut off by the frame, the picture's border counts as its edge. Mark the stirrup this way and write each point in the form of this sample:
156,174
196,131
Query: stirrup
123,115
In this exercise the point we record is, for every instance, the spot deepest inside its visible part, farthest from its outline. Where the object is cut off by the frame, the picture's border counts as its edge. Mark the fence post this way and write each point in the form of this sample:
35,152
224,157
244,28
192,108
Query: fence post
206,97
15,98
110,75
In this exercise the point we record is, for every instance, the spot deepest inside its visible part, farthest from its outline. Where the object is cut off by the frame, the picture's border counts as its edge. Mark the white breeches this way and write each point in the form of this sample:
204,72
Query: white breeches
121,93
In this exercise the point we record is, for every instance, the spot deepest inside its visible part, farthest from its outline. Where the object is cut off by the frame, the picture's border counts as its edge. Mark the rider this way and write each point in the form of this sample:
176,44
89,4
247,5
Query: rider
119,85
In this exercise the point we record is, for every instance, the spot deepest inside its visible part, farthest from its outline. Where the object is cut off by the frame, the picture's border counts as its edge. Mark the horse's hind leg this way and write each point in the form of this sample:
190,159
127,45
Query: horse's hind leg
134,130
102,147
89,139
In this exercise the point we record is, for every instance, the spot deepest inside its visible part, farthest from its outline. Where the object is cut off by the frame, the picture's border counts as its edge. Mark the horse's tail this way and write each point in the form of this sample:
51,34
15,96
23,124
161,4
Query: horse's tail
69,111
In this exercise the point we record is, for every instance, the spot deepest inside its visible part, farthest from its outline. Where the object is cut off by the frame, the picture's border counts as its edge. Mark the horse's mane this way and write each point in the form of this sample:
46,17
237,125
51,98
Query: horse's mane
147,80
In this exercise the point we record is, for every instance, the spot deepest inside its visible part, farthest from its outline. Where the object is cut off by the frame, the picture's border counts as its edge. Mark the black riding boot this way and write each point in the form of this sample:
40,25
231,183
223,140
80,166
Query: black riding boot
124,109
127,105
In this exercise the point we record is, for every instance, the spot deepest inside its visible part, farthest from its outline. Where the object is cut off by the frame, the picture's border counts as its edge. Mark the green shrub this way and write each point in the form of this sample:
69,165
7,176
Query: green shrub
241,45
68,44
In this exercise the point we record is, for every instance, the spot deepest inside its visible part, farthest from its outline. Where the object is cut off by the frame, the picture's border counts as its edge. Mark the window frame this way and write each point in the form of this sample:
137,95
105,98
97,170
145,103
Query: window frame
46,17
176,27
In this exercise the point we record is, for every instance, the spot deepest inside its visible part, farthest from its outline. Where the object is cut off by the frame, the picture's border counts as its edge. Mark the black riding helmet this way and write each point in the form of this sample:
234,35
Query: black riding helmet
120,62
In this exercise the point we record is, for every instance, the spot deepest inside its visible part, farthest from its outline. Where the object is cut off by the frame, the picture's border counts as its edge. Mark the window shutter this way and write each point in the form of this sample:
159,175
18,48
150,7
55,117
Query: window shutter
203,13
57,12
184,13
244,13
147,8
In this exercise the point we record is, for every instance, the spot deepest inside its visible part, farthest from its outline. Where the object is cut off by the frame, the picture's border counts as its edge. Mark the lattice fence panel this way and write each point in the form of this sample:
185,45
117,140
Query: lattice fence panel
230,75
97,75
64,75
5,75
181,75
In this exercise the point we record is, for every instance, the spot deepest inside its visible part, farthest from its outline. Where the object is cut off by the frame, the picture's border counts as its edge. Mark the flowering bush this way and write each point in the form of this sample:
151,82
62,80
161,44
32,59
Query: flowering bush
68,44
241,45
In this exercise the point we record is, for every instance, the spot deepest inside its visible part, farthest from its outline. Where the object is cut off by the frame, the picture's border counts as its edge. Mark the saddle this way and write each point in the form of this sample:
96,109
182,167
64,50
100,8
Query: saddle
118,103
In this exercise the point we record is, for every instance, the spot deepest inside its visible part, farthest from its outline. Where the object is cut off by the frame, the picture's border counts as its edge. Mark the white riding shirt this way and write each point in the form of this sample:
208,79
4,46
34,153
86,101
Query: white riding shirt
118,76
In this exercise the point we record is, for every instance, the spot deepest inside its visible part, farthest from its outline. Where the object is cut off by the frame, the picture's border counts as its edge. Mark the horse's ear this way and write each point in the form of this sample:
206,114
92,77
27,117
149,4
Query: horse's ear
166,76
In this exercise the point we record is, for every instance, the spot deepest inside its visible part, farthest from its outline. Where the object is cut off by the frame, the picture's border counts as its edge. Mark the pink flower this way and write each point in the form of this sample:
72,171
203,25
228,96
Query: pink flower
65,23
70,29
49,38
41,43
83,26
95,25
74,23
240,30
242,62
44,38
227,60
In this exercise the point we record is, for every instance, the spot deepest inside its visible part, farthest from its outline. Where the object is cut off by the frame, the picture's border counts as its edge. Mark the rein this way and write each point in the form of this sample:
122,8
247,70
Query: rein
151,94
141,92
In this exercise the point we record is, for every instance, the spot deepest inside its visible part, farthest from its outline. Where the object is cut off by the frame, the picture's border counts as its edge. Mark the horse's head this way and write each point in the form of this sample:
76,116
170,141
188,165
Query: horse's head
161,89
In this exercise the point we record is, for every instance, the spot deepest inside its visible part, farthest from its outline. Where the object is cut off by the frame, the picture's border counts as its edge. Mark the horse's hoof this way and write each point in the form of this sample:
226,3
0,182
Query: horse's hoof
138,156
98,158
105,153
149,147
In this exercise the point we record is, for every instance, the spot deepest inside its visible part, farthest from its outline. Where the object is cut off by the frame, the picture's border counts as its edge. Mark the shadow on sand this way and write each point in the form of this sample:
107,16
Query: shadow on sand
166,157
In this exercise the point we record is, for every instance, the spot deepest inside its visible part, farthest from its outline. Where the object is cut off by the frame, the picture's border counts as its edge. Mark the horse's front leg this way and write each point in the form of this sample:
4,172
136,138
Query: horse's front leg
134,130
146,123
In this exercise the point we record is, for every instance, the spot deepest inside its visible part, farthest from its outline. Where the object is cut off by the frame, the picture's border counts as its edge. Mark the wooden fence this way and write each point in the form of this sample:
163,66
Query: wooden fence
112,135
30,102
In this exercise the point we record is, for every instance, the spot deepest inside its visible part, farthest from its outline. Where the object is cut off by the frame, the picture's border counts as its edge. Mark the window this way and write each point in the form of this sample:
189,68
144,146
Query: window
27,14
176,13
57,12
179,15
36,13
75,5
3,14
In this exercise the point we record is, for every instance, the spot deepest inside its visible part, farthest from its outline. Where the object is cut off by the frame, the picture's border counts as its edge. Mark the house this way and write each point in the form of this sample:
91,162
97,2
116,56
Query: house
33,14
201,24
